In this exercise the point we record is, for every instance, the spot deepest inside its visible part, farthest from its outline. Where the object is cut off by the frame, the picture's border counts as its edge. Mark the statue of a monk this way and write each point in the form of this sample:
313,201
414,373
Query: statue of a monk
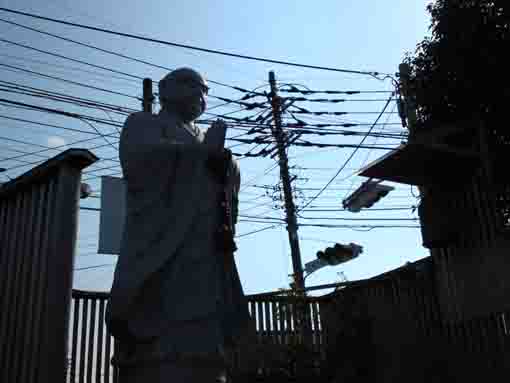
176,302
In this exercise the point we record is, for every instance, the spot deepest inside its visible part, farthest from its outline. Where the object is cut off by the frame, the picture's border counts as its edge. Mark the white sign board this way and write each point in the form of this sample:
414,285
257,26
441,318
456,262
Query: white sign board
113,212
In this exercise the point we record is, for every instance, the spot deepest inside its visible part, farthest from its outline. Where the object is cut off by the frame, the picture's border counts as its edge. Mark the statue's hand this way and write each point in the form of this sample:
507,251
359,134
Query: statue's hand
215,135
218,163
219,124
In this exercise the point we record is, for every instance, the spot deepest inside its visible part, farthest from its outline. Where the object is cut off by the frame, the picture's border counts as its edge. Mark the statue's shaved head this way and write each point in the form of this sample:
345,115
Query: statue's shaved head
184,90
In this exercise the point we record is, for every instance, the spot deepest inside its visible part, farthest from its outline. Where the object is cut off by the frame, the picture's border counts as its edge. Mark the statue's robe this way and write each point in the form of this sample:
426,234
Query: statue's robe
172,301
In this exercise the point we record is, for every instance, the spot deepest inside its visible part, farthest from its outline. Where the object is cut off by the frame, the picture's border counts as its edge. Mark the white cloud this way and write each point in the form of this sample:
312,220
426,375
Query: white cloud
54,141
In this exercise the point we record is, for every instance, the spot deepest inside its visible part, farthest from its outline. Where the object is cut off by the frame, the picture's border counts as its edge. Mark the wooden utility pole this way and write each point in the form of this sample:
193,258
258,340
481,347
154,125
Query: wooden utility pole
290,208
148,97
302,316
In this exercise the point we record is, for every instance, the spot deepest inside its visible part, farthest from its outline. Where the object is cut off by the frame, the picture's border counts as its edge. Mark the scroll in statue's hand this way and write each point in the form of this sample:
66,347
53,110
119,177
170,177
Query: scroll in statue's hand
218,163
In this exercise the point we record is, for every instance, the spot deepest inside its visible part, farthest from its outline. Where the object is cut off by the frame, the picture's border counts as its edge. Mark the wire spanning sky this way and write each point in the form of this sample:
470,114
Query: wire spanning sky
63,86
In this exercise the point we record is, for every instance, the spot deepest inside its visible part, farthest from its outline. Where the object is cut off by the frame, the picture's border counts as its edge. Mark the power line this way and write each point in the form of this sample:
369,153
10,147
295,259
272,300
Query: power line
22,142
62,112
53,148
81,70
71,59
62,97
345,133
369,152
94,267
344,125
69,81
94,65
350,157
334,100
293,89
256,231
262,140
358,219
110,52
206,50
327,226
37,92
315,240
67,114
19,151
365,210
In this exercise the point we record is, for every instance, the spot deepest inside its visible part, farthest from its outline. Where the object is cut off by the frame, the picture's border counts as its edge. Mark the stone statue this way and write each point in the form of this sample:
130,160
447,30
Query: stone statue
176,302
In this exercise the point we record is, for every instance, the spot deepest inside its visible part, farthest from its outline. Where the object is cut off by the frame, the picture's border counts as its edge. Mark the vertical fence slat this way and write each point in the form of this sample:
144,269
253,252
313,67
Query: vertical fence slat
316,327
45,320
16,297
500,339
22,302
29,275
4,273
83,340
274,316
39,277
260,320
267,317
100,341
115,370
5,224
251,307
107,358
288,321
6,335
91,340
281,320
74,340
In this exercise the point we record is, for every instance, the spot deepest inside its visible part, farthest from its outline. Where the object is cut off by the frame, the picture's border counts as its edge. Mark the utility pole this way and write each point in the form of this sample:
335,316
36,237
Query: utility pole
290,208
302,314
148,97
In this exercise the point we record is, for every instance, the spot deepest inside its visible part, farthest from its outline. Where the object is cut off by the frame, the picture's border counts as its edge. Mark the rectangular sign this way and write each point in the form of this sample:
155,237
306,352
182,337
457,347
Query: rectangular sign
113,212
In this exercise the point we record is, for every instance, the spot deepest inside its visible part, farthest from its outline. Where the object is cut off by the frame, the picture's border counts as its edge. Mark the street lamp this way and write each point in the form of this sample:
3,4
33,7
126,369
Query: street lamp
366,195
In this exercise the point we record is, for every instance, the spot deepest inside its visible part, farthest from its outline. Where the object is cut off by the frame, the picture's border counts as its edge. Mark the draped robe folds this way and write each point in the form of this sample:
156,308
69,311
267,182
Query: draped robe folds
171,298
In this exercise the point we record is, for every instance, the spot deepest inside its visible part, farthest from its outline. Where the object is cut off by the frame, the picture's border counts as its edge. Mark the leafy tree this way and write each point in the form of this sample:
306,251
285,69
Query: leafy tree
462,73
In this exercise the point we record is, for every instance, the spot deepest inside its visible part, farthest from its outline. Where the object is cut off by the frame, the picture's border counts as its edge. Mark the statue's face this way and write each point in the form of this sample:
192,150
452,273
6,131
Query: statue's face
185,91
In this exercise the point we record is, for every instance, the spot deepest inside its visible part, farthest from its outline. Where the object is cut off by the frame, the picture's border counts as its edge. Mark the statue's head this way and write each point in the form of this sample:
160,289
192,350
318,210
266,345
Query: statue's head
184,91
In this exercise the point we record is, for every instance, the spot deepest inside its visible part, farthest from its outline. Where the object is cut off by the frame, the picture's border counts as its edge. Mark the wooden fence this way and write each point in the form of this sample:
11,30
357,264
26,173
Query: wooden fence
38,224
91,347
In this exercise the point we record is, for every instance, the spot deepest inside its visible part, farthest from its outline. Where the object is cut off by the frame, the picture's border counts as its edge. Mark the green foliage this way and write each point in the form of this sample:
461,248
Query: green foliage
461,71
461,74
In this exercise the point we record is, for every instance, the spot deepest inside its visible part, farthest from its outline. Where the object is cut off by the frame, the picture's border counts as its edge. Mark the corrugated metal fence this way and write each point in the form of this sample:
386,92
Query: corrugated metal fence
38,223
392,329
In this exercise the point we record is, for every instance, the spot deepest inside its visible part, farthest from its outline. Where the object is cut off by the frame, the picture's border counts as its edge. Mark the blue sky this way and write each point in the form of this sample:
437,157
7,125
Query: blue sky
360,35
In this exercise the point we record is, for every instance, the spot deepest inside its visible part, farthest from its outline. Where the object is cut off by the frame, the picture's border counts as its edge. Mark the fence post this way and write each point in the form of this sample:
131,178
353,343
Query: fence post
37,267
